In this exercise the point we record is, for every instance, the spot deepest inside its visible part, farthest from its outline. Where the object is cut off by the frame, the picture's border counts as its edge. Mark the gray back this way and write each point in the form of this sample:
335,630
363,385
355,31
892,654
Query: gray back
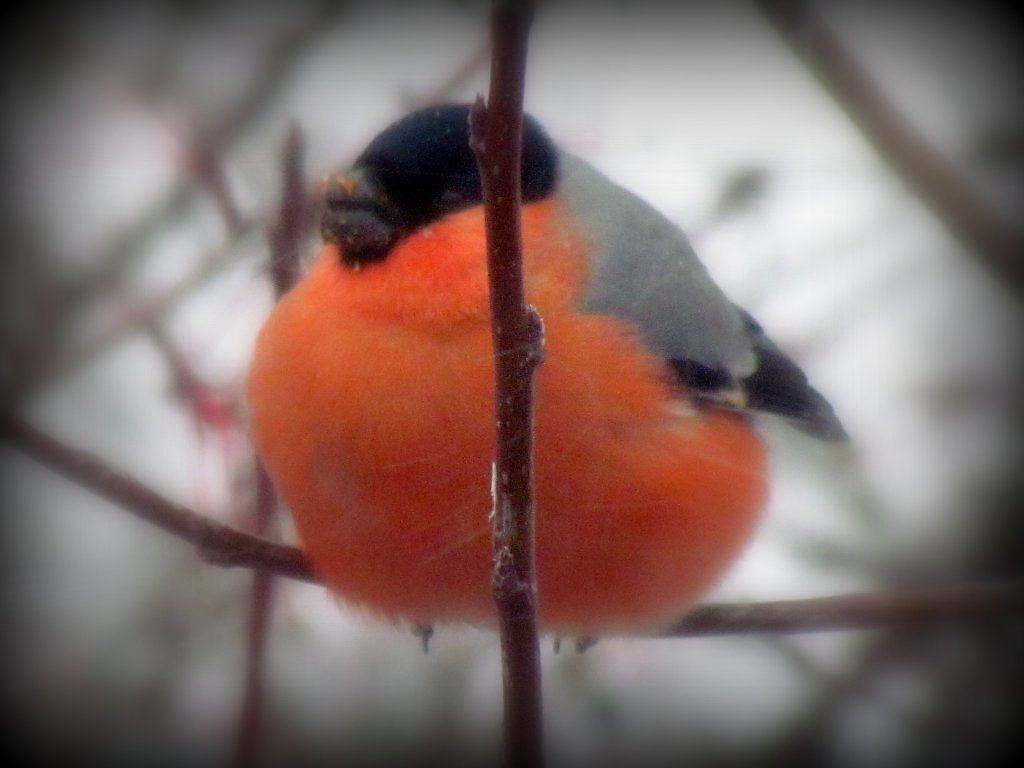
645,271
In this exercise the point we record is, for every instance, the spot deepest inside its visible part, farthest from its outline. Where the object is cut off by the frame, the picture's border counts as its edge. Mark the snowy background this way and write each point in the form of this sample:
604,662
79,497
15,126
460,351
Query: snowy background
118,259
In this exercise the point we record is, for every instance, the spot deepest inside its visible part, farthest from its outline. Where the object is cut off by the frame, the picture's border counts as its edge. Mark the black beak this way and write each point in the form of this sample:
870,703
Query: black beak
359,218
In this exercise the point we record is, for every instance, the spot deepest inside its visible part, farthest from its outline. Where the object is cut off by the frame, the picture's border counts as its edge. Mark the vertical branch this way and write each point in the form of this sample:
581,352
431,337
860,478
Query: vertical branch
285,240
287,233
496,140
256,631
206,165
993,240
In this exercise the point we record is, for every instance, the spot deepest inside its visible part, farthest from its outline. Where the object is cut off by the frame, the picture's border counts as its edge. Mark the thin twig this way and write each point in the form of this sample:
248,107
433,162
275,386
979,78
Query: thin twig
186,378
47,363
210,406
208,167
993,240
496,138
140,315
277,65
148,311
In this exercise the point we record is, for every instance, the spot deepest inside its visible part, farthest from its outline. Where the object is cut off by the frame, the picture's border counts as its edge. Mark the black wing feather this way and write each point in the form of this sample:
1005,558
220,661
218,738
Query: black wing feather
776,386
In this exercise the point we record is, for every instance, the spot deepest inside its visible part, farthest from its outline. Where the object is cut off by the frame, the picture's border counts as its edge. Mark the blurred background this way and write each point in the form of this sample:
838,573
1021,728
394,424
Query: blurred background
144,148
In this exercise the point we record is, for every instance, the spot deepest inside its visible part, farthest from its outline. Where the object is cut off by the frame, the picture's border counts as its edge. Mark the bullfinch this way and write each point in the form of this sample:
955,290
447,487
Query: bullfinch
372,393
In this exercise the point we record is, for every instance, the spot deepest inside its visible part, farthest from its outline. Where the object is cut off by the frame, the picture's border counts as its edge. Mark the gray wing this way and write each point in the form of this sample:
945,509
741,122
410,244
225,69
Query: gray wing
646,271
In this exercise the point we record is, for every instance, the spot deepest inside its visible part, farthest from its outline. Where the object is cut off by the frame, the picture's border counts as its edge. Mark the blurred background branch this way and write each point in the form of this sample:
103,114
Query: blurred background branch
203,159
285,237
996,242
49,358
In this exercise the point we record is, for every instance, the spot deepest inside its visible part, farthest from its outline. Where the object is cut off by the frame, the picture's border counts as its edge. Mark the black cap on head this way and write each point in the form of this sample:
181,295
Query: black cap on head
416,171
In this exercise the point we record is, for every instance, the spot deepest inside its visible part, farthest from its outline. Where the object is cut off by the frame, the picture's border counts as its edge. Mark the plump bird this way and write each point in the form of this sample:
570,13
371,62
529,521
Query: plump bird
372,392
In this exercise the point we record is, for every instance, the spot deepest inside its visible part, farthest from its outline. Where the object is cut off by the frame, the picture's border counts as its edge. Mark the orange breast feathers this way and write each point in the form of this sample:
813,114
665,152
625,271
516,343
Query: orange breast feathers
372,404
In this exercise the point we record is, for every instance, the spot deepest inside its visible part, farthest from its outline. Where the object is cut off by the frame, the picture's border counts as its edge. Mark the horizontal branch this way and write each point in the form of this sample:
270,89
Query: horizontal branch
869,610
217,543
225,546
